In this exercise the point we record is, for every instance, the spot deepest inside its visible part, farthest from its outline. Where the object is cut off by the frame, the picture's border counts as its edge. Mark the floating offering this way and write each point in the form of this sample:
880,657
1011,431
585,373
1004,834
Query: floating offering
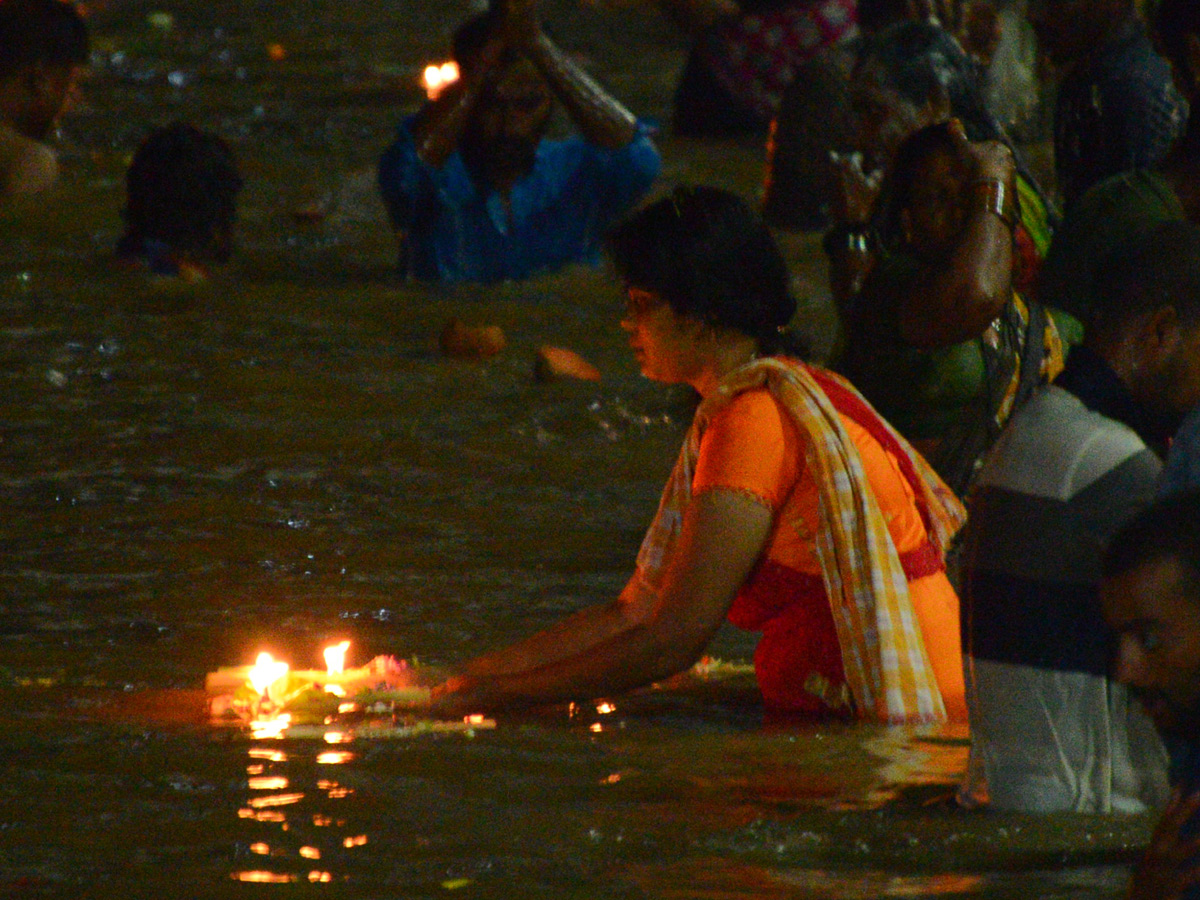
471,342
552,363
378,700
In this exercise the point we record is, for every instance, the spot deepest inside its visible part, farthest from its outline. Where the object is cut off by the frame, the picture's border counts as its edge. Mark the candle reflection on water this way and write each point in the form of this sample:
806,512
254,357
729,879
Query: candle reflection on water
286,828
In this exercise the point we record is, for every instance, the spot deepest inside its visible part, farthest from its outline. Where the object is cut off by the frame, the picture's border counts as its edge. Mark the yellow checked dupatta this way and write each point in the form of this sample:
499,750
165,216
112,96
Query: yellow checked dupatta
883,653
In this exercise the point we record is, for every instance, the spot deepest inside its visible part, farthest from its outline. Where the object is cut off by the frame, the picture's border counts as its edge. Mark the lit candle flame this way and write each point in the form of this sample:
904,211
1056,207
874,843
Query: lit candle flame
335,658
266,672
436,79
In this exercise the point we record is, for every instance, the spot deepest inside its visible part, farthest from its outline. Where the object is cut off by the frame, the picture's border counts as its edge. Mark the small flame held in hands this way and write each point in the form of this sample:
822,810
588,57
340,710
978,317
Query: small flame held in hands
436,79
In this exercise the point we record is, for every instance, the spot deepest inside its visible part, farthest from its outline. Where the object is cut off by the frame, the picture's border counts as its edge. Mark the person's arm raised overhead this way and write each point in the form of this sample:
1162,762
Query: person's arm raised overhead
602,119
957,301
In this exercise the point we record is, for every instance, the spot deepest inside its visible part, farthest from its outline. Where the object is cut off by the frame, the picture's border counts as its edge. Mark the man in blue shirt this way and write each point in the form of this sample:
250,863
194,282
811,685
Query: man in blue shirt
475,190
1151,598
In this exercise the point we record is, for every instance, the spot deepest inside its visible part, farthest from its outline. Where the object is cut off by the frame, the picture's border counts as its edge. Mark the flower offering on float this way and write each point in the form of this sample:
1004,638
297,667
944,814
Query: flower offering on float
275,700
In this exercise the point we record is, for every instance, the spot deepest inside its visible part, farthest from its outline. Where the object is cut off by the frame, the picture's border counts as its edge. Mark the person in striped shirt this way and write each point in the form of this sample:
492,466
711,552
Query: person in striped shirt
1050,730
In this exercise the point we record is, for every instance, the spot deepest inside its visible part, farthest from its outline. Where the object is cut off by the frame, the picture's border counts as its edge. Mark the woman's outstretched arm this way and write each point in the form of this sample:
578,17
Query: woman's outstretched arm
632,641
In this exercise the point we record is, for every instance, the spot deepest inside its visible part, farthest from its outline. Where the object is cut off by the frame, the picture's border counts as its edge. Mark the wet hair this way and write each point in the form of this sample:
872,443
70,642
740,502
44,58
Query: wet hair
710,256
1174,21
182,188
46,32
1162,268
1167,529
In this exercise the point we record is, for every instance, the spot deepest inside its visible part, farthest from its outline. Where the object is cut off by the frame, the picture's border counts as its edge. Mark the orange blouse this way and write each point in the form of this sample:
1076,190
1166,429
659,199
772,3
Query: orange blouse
752,447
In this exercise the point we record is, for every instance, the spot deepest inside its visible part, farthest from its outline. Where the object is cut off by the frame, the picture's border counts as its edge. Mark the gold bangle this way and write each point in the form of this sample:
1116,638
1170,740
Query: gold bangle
998,199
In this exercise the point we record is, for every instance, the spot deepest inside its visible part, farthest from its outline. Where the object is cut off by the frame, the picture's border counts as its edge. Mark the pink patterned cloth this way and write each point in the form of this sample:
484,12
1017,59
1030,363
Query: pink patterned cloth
756,55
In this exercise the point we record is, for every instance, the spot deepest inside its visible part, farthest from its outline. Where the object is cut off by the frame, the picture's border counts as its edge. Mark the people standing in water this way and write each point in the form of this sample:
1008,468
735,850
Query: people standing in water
43,47
1112,212
746,54
475,190
1117,108
181,202
793,509
937,338
1151,600
907,76
1072,466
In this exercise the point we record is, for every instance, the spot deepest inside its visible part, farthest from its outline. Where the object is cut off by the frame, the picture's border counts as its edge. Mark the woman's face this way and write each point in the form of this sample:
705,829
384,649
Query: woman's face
665,344
936,212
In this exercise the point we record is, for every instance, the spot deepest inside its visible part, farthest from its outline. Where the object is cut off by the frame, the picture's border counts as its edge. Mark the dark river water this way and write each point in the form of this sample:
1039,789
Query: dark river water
282,456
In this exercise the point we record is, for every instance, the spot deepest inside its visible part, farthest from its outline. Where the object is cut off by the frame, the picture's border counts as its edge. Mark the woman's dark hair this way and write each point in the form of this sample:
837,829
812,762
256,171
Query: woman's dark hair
709,255
182,188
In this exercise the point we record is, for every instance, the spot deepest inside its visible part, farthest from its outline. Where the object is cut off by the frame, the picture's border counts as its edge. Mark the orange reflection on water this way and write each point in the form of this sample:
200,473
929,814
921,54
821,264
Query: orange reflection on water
260,848
265,729
264,877
338,737
356,841
268,783
322,877
321,821
262,815
267,754
255,769
275,800
334,757
310,852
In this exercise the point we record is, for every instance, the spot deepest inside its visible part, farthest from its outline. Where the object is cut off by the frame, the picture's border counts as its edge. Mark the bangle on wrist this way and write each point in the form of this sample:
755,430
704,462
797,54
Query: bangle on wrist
856,237
849,237
858,240
998,198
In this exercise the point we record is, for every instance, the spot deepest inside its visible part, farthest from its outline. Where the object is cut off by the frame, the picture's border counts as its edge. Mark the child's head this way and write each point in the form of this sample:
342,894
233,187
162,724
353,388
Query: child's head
182,188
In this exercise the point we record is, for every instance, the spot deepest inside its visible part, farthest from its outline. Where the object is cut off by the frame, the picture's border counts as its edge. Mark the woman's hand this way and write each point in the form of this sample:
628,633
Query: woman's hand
988,159
856,191
454,697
